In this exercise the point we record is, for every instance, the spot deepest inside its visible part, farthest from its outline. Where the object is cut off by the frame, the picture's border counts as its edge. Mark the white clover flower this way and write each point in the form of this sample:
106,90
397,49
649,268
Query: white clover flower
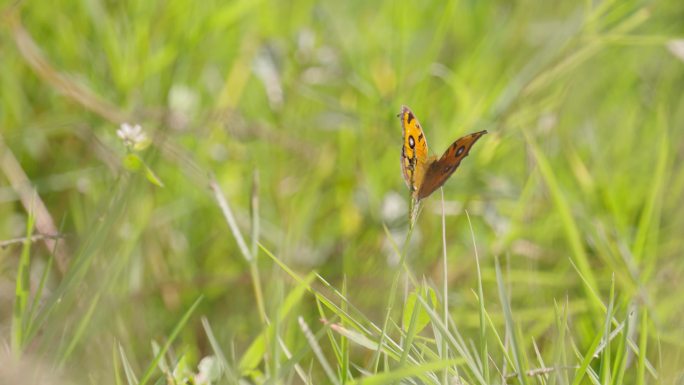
209,371
133,136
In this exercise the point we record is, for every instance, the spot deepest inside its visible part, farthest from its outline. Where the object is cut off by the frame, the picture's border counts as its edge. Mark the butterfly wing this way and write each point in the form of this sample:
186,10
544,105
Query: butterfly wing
414,150
440,170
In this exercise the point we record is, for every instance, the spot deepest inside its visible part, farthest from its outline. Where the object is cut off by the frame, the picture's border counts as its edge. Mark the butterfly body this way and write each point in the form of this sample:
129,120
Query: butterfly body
422,173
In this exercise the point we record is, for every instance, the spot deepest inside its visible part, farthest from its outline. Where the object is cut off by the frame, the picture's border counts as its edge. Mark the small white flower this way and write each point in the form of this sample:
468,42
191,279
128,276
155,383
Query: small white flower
132,136
209,371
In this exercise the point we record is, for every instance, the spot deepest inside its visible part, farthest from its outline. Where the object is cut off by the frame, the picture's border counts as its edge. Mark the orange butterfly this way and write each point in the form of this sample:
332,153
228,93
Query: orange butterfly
424,174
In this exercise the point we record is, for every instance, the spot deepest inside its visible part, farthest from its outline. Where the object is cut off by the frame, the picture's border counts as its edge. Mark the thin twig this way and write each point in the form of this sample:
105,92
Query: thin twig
33,238
30,199
61,82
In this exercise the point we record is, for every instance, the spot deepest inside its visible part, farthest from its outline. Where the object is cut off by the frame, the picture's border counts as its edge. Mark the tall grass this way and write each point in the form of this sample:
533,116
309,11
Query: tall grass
263,236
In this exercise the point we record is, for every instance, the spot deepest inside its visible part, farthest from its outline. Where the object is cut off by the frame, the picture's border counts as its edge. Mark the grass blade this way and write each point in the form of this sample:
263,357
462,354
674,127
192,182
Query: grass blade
230,219
572,232
226,369
174,333
254,354
643,341
455,342
130,373
413,210
518,355
445,291
22,290
484,353
402,373
316,348
80,330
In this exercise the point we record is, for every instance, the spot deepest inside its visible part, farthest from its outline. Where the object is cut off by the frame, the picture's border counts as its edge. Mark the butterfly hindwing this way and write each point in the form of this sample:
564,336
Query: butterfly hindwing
440,170
414,151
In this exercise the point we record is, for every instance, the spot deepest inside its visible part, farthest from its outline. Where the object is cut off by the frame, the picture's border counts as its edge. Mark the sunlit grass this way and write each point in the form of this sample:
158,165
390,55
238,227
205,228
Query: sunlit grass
271,190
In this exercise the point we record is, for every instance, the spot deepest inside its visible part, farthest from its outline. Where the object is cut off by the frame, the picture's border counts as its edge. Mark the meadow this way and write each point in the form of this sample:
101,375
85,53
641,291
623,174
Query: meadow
211,192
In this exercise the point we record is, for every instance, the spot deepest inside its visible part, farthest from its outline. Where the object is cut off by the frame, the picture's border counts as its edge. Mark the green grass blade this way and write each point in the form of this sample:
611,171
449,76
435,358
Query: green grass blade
115,365
584,368
445,288
560,358
518,355
254,211
230,219
455,342
650,214
344,342
226,369
22,291
80,330
357,338
622,350
572,232
393,288
407,372
316,348
643,341
128,369
254,248
410,325
484,352
327,302
174,333
605,368
256,351
39,293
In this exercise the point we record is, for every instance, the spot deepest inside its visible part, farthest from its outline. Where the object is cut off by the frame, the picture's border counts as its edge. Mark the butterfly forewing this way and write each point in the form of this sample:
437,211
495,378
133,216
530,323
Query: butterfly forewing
414,151
440,170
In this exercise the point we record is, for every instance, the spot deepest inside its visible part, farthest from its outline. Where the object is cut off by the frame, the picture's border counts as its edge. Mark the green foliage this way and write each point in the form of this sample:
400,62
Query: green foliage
22,290
414,314
264,178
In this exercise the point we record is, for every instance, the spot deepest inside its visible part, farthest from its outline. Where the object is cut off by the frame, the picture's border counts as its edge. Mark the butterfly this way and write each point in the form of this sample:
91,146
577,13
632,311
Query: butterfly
423,173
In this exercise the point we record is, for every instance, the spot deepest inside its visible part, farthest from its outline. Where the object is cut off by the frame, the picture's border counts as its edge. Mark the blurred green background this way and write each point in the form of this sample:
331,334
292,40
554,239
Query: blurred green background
577,189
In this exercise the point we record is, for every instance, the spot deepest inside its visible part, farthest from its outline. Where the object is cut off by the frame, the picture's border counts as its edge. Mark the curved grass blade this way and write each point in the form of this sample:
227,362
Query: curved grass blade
179,326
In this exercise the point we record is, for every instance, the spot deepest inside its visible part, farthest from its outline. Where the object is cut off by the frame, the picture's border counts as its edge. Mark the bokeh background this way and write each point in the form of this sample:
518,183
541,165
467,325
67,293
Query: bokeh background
290,106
